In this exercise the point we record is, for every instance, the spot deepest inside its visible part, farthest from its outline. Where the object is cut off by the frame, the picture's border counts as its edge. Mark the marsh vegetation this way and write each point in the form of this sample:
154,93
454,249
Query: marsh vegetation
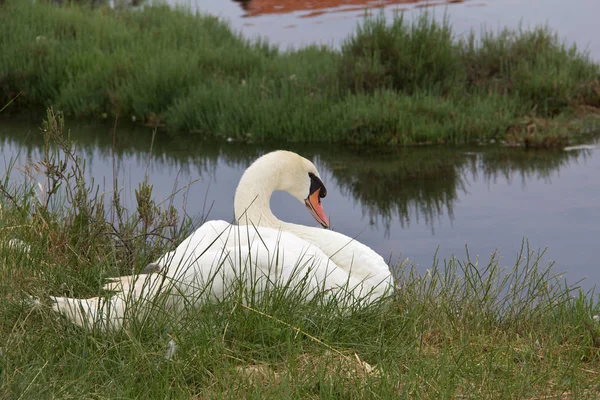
392,83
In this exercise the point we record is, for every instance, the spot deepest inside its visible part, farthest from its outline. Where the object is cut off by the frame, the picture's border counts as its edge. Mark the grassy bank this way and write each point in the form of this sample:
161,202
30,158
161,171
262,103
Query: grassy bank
466,329
392,83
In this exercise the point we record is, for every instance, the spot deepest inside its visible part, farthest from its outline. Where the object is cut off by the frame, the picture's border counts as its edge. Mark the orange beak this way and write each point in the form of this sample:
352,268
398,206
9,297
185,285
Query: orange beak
313,203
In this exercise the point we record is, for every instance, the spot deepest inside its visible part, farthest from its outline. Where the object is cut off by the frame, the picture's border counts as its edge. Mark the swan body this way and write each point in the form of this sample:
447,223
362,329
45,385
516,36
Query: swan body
257,254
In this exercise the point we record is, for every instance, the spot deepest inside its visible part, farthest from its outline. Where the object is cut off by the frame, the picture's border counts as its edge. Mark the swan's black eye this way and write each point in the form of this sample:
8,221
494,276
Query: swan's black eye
316,184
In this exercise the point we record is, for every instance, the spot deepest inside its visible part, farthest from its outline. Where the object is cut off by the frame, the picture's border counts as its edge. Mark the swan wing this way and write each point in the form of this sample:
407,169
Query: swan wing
216,259
355,258
220,254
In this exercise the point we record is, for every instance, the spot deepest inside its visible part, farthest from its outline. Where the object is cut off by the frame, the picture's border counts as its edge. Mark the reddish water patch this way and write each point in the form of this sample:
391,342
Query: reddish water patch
316,8
313,14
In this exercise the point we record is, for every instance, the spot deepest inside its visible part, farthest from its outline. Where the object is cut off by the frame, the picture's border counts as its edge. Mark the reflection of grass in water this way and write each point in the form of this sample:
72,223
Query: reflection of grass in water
129,141
527,164
414,183
399,186
425,182
411,184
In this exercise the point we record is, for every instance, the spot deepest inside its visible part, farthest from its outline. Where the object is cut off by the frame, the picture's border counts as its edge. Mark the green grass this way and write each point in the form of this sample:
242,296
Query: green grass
392,83
464,329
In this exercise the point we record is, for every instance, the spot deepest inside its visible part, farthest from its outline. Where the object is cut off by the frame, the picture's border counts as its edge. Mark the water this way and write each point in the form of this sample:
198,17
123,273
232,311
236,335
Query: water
411,203
298,23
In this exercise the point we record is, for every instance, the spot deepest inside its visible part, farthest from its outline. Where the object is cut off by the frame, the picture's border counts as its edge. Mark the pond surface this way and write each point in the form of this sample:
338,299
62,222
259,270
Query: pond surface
301,22
409,204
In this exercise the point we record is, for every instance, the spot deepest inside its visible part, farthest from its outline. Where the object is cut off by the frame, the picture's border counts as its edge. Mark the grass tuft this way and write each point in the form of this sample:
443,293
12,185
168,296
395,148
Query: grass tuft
534,65
406,57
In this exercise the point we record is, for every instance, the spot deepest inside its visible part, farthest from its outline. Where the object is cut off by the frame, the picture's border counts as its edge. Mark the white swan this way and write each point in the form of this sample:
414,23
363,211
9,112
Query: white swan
258,253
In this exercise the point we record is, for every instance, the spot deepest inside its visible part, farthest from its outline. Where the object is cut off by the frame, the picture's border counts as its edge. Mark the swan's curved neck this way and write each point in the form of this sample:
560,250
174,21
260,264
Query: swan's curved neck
252,204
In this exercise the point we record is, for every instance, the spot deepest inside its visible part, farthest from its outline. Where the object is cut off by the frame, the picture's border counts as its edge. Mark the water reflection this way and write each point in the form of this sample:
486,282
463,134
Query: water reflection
420,184
496,163
254,8
414,183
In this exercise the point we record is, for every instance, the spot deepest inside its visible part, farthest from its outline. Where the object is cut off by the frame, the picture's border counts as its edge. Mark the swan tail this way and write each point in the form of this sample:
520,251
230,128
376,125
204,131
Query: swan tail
110,312
81,312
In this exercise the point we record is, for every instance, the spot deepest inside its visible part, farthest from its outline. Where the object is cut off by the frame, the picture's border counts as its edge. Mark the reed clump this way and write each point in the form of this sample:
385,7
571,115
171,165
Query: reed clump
392,83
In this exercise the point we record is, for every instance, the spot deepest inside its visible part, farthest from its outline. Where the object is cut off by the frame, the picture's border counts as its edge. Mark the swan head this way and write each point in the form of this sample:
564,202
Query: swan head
286,171
306,185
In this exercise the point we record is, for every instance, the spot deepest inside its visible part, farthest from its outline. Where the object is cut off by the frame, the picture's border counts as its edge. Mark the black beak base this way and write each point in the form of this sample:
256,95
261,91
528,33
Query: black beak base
317,184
